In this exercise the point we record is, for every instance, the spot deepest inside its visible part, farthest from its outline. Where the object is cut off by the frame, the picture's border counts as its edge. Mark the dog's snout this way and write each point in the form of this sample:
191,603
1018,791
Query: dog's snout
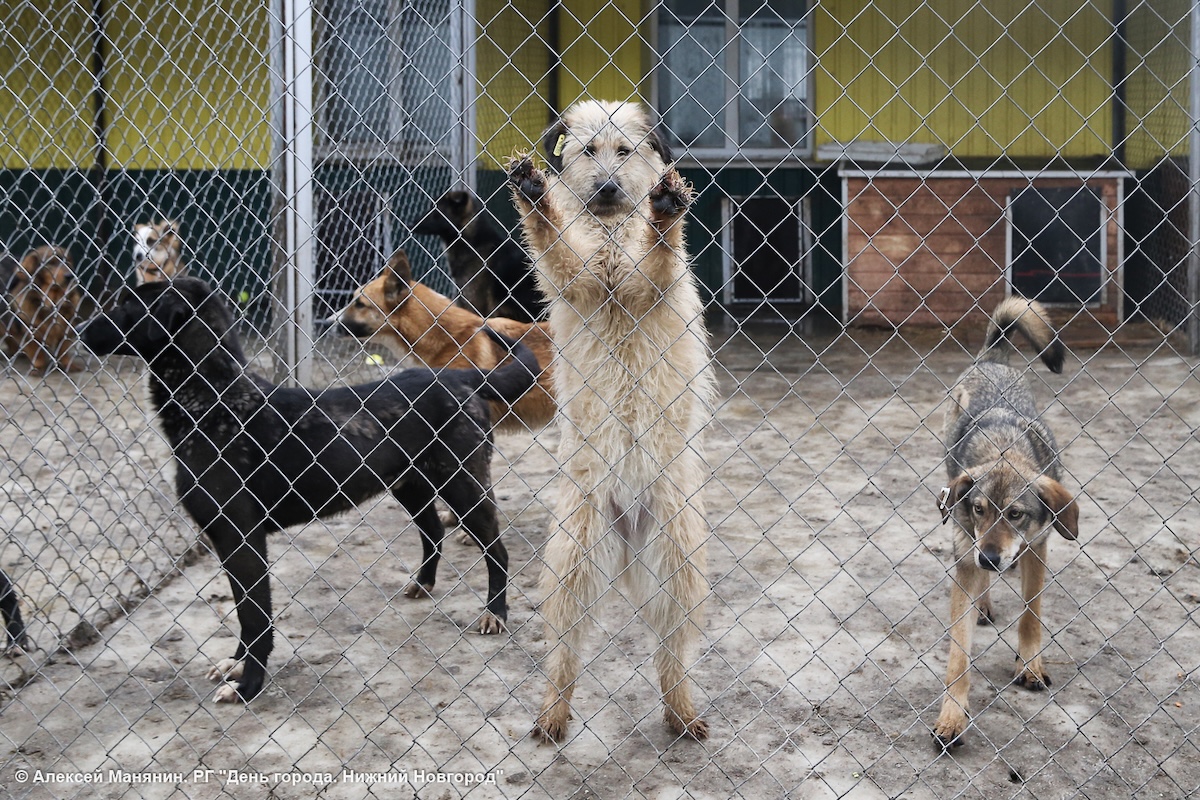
991,558
608,190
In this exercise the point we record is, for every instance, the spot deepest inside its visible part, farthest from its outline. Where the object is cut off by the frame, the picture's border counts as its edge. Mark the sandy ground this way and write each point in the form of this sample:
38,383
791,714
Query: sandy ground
821,672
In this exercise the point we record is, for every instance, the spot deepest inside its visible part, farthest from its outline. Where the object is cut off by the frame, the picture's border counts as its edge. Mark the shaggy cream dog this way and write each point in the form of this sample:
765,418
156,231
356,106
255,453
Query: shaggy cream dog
635,386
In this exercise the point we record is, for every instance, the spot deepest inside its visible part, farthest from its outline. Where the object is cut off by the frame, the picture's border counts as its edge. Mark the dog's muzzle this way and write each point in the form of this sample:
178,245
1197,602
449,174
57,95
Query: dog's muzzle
102,336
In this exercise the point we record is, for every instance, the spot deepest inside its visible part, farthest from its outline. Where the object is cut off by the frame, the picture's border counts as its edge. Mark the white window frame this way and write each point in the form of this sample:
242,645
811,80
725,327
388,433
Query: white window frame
732,153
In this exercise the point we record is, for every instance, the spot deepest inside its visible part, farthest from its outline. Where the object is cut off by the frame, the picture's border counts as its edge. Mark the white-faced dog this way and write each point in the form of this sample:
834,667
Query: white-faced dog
635,387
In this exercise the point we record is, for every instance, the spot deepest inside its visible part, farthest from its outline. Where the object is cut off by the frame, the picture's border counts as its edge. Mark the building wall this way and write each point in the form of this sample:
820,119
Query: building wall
1026,80
930,250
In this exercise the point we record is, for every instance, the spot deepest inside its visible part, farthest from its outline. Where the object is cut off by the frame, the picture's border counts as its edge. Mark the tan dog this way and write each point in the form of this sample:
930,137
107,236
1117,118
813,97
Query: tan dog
158,252
635,386
1004,496
43,301
427,329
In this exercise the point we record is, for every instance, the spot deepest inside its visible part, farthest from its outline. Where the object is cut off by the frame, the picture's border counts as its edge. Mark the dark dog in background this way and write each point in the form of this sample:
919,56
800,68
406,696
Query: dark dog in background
492,271
10,610
253,458
1004,496
41,307
158,251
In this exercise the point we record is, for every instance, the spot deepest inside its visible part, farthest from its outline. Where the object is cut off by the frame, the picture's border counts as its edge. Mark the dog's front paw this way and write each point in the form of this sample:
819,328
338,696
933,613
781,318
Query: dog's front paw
671,197
526,179
418,591
227,669
490,624
948,732
1033,676
227,693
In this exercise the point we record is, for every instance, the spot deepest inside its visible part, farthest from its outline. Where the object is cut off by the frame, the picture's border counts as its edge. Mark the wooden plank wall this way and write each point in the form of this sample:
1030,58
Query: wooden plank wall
931,251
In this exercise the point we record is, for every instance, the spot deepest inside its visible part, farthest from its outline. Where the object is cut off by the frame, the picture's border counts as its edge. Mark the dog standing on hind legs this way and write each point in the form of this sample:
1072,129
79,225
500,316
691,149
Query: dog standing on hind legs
1004,496
635,387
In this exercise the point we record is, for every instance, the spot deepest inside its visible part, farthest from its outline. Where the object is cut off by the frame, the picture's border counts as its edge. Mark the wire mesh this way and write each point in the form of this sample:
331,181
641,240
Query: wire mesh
871,181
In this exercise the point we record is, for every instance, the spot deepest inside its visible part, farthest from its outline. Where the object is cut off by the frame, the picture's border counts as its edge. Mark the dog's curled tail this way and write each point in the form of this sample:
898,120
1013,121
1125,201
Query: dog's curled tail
508,383
1028,317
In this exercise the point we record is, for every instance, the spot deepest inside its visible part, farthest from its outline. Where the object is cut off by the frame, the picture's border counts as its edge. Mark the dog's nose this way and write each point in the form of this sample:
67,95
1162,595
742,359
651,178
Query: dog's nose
989,558
608,190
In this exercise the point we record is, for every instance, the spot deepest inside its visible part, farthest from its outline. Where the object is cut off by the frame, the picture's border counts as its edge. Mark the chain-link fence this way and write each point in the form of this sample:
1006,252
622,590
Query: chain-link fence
871,181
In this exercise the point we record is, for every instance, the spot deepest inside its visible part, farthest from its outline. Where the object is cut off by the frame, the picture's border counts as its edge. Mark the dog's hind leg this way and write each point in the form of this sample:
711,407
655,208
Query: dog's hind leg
1030,671
579,561
674,613
244,558
966,587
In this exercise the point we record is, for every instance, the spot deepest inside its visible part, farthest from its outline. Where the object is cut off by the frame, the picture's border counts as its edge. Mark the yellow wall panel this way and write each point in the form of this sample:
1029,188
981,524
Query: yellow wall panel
602,49
512,65
189,85
985,79
1157,89
46,84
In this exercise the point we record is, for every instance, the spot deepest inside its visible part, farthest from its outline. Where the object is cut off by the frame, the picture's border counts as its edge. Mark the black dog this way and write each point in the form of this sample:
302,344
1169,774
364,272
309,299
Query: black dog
492,271
254,458
10,610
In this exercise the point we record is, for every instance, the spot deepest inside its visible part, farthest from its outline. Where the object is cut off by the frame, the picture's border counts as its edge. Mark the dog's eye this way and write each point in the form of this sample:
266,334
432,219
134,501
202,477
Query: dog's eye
977,508
624,152
1015,514
590,151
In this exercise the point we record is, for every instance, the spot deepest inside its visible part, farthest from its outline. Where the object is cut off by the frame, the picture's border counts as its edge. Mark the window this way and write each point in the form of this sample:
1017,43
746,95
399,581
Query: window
735,75
386,78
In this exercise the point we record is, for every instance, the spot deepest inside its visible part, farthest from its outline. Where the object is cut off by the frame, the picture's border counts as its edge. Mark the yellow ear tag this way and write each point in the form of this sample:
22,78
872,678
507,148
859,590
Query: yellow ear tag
558,146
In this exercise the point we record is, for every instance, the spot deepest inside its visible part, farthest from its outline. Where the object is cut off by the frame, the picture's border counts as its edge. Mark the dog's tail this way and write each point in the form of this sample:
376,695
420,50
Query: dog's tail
508,383
1028,317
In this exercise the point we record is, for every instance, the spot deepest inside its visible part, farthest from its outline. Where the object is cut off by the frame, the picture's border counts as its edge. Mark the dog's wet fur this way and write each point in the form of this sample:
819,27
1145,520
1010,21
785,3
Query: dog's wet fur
635,387
41,307
492,271
253,458
1004,495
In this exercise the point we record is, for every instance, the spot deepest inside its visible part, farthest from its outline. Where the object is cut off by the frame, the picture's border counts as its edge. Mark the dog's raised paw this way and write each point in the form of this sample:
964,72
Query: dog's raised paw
527,179
671,197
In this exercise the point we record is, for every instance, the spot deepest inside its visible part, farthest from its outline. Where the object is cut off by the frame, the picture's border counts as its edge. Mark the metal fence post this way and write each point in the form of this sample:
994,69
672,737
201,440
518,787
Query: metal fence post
1193,269
295,131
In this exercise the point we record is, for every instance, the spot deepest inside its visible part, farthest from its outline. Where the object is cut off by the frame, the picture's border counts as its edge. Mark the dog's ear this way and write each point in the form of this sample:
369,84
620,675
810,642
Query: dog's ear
955,491
657,139
396,278
1061,504
552,143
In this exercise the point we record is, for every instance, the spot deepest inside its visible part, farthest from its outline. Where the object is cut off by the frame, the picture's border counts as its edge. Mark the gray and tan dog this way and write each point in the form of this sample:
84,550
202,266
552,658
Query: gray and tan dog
635,388
1004,495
